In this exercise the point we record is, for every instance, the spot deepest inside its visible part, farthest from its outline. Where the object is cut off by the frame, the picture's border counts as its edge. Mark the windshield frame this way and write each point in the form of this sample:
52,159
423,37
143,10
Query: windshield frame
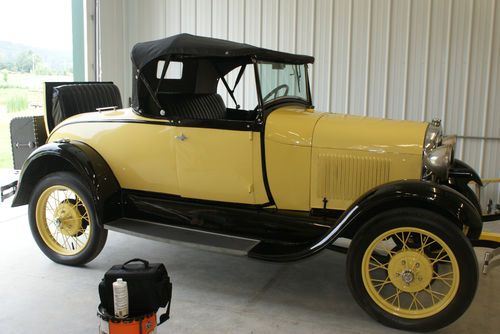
288,99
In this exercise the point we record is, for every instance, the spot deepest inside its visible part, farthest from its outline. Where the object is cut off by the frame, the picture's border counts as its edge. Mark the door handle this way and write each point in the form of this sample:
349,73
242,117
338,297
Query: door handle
181,137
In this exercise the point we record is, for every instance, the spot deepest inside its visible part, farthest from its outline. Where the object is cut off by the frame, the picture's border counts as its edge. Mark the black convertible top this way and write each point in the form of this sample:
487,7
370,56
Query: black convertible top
198,46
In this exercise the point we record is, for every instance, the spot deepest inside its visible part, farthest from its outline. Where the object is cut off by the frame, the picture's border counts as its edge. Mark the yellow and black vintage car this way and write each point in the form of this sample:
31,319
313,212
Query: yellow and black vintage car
277,181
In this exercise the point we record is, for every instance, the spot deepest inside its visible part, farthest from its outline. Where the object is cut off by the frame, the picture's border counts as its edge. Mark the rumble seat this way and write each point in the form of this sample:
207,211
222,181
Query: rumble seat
193,106
72,99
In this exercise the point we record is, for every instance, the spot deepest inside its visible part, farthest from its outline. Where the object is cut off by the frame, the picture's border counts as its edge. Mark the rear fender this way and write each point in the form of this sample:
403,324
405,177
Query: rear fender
81,159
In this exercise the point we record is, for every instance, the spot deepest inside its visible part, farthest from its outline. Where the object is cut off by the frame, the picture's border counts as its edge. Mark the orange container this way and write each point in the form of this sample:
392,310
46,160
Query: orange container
134,325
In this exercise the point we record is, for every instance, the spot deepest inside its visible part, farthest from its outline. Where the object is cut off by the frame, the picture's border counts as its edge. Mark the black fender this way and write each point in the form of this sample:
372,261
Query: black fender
77,157
438,198
461,174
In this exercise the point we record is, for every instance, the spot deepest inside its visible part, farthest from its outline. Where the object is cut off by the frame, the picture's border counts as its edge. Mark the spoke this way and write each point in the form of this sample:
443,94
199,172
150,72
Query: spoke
382,266
437,257
52,196
441,259
78,203
443,276
65,241
418,301
49,205
425,243
382,283
415,302
434,295
402,241
395,297
77,241
444,281
55,236
375,259
406,241
412,301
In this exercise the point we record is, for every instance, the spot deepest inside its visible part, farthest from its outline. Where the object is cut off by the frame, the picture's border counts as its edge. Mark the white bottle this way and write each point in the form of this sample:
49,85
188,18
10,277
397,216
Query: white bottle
120,298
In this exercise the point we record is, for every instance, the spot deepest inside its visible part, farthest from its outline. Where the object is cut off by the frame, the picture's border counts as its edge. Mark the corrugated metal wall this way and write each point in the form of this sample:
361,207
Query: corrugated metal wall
402,59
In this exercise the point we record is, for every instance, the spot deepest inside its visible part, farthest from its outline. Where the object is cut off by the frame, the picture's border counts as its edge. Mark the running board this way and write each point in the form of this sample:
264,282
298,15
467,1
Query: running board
181,235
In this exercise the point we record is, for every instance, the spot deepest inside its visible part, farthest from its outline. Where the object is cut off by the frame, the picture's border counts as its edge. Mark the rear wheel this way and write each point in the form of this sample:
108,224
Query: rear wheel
412,269
63,220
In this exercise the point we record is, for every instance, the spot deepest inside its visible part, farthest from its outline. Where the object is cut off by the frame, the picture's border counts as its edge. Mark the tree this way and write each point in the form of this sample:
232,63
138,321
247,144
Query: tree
27,61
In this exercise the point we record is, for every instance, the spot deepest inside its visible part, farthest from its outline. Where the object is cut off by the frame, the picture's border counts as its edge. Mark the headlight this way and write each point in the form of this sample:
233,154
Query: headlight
438,160
433,135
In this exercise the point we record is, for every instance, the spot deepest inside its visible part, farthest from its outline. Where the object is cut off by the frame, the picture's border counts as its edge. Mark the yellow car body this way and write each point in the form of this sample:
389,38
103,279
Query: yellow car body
309,154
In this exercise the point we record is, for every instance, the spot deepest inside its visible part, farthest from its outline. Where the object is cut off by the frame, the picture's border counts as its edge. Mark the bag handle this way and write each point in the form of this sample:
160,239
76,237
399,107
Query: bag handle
146,263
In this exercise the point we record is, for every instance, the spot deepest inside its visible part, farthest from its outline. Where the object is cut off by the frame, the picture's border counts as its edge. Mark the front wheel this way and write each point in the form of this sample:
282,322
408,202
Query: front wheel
63,220
412,269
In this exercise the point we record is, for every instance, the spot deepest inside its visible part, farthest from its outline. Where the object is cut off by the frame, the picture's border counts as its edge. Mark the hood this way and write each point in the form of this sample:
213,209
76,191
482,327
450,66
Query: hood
348,132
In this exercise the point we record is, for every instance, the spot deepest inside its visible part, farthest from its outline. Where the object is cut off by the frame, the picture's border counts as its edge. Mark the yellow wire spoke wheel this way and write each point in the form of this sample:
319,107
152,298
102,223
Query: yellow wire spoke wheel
410,272
412,269
63,220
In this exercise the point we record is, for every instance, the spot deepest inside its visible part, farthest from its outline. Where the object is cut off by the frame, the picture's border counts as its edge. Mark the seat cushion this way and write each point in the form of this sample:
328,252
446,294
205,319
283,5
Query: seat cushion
193,106
72,99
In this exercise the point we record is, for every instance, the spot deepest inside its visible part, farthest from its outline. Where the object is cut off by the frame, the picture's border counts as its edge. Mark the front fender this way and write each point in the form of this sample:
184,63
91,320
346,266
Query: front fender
441,199
81,159
461,173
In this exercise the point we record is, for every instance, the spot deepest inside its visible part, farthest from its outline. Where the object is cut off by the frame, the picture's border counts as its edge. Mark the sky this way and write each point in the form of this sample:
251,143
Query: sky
40,23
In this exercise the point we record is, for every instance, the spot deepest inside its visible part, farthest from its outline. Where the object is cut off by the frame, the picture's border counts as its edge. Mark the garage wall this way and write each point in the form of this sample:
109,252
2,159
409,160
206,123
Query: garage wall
402,59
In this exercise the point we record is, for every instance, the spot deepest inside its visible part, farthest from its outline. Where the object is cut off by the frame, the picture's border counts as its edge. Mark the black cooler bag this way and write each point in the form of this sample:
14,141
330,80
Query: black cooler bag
149,287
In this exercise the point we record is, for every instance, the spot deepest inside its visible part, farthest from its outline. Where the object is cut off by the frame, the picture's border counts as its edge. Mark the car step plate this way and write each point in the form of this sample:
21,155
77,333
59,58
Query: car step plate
181,235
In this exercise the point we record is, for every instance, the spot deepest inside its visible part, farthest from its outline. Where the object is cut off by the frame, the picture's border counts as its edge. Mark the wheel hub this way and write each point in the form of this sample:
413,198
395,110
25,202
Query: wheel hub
407,277
410,271
68,219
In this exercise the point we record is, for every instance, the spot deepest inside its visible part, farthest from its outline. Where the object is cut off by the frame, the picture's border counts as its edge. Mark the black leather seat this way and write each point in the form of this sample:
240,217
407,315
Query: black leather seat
193,106
72,99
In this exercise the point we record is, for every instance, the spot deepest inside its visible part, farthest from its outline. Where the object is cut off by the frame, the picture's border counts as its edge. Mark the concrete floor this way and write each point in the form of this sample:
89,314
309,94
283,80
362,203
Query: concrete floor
213,293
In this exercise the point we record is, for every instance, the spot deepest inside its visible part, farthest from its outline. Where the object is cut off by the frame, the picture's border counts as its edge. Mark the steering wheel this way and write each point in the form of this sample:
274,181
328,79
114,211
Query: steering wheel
275,92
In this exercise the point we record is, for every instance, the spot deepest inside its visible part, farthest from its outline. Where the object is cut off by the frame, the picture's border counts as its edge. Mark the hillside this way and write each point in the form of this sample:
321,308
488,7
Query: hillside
56,59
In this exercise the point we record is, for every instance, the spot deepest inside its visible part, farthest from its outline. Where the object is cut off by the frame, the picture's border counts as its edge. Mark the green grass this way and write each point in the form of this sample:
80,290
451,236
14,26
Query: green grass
5,148
17,103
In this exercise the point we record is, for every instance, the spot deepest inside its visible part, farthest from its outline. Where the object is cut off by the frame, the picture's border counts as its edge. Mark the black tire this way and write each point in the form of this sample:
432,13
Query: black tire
436,315
86,223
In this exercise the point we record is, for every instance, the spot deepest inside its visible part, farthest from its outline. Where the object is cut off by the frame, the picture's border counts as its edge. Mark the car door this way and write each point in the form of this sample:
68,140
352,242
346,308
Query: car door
219,165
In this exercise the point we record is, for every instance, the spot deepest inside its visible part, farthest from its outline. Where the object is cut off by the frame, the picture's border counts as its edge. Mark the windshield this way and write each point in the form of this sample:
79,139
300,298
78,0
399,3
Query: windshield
278,80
